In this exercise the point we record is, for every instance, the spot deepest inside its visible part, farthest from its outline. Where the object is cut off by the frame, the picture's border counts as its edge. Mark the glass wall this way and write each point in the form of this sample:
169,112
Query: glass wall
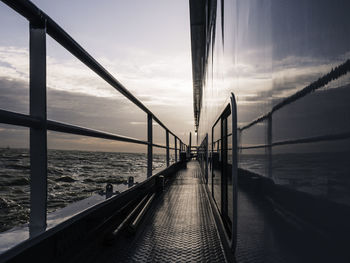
265,52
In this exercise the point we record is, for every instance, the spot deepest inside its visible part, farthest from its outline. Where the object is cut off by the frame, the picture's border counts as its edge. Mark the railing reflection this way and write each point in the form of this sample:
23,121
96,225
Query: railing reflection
335,73
269,163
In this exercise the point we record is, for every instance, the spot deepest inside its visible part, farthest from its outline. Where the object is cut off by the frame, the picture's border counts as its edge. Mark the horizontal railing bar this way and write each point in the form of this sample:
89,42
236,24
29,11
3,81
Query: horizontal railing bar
34,14
71,129
159,146
18,119
163,146
328,137
321,82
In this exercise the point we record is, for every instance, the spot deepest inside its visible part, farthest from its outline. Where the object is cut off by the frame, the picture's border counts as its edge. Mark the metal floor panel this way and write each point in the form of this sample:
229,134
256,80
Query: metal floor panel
178,228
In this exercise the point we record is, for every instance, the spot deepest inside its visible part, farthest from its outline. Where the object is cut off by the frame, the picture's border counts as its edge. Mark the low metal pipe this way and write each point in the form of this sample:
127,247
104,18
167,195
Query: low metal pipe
67,128
19,119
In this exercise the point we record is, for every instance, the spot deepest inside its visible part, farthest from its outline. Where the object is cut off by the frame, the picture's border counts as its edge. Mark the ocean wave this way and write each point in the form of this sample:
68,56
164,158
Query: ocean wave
18,166
111,180
66,179
55,171
72,176
4,204
19,181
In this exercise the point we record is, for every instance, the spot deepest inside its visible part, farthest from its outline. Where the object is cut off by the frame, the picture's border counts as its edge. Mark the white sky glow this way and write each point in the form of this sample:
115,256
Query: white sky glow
144,44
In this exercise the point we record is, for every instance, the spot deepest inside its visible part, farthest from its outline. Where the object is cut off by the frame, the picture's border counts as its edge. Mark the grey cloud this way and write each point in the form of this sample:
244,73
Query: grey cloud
7,65
115,115
14,95
110,115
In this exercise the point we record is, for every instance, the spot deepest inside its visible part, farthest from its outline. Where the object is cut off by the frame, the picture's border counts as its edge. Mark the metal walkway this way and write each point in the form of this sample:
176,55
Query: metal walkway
178,228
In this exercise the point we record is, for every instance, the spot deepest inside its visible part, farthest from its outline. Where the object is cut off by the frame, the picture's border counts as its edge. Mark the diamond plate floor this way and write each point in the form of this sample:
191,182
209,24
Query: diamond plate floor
178,228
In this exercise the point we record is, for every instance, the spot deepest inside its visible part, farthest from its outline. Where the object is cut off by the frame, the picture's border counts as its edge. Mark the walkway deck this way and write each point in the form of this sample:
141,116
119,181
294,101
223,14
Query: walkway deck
179,227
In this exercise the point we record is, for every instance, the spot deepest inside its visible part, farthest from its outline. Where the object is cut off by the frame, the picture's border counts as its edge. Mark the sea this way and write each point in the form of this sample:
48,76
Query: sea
72,176
76,175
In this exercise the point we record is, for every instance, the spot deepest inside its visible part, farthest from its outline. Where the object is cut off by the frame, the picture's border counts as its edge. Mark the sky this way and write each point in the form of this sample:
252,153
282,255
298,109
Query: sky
143,44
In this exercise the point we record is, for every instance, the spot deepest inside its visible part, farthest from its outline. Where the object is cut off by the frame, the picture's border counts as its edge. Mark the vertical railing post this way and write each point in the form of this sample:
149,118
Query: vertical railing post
206,158
234,161
150,142
269,147
38,136
189,148
175,149
167,148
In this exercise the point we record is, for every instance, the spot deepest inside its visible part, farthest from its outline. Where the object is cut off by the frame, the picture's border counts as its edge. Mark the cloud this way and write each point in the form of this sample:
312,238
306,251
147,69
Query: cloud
14,63
77,96
155,80
149,75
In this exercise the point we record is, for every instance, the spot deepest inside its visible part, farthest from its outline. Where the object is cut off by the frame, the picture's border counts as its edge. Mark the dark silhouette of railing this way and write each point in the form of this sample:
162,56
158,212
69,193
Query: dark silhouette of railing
321,82
335,73
40,25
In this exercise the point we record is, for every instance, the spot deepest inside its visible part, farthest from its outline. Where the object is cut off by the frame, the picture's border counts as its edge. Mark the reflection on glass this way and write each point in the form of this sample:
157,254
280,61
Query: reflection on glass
216,162
319,169
229,169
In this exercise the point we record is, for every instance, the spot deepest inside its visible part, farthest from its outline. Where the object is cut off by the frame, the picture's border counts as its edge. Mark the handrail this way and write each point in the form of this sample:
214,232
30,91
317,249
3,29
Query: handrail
40,25
19,119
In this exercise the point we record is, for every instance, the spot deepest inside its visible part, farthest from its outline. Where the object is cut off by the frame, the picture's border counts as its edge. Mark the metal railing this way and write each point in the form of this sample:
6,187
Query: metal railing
40,25
335,73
